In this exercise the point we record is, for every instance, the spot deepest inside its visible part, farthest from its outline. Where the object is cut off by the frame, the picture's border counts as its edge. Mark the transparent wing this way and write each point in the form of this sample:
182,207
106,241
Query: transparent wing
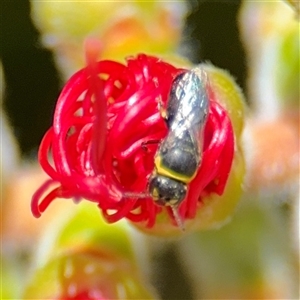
188,106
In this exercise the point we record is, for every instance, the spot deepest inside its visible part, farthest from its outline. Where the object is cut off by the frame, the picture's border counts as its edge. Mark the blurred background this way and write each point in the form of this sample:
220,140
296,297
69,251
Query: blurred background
33,84
255,256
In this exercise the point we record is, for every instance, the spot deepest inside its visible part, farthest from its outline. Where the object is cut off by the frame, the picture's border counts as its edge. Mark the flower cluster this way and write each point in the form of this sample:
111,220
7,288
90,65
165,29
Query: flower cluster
104,115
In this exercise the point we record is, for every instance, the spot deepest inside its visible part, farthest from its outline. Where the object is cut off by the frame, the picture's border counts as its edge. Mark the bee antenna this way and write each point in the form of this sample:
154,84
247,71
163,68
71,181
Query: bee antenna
177,218
135,195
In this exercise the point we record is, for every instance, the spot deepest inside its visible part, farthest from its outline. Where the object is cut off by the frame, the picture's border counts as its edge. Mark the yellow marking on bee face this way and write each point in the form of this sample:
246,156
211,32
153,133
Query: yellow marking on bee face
173,202
155,194
162,170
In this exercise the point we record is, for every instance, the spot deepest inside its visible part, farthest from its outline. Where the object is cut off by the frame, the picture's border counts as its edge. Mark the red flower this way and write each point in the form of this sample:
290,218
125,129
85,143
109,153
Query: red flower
95,144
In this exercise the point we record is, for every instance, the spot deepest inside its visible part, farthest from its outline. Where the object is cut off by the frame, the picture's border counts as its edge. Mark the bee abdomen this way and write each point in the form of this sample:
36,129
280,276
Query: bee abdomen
180,161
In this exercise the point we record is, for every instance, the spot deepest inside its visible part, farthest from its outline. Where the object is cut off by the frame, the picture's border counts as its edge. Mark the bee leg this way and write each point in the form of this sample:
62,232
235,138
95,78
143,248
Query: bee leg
162,109
150,142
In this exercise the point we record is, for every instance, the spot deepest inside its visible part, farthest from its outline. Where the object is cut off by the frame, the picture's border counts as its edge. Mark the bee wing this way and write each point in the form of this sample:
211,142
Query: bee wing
188,105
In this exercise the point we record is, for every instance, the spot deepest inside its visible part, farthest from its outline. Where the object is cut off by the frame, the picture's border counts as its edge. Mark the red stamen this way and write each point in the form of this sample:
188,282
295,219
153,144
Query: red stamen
92,50
104,115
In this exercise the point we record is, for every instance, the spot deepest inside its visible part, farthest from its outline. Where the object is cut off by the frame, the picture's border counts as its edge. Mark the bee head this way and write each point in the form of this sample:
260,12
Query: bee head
166,191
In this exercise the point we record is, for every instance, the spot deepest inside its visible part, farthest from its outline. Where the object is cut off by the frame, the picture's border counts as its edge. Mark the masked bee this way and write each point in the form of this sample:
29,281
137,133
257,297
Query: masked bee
179,155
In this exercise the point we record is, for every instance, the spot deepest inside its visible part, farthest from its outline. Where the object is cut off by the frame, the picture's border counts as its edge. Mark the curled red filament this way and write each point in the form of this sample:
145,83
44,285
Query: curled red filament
93,150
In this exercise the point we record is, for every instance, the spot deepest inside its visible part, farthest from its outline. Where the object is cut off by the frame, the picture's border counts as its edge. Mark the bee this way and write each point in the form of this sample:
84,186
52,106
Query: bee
179,154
